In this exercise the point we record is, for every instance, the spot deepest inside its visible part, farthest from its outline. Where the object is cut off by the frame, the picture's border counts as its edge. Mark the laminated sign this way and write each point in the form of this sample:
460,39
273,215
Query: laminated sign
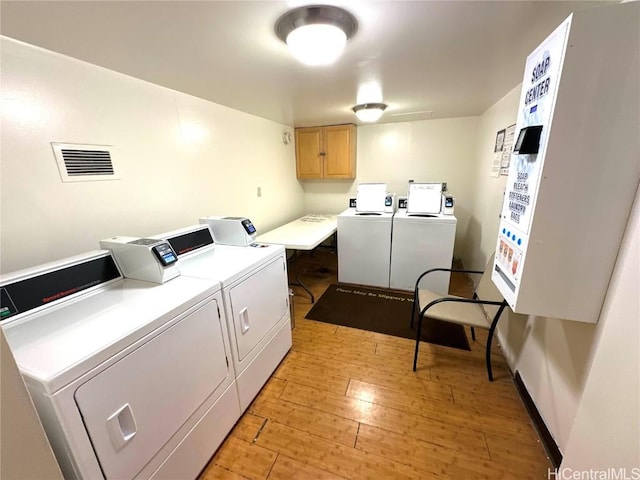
542,74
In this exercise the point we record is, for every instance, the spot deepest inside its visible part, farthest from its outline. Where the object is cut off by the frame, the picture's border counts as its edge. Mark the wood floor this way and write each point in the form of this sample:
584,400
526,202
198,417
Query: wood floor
345,404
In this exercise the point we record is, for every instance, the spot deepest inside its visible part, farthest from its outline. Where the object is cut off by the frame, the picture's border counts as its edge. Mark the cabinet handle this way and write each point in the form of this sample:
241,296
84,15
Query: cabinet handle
322,154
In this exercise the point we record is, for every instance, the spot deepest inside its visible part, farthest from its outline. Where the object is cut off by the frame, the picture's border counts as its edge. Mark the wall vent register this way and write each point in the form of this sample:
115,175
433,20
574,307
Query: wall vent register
84,163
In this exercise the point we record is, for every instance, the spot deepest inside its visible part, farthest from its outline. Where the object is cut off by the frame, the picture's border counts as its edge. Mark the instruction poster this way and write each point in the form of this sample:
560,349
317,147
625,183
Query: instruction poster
497,153
502,151
507,149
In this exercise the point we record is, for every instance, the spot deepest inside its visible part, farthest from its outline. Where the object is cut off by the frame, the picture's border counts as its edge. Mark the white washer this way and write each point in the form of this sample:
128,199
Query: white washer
130,378
364,247
421,242
256,300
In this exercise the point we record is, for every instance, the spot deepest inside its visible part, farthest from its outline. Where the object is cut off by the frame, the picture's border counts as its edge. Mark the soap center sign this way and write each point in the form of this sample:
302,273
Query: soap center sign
542,74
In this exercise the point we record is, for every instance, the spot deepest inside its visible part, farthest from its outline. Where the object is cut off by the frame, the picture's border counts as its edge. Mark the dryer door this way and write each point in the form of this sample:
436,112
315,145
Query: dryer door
134,407
258,303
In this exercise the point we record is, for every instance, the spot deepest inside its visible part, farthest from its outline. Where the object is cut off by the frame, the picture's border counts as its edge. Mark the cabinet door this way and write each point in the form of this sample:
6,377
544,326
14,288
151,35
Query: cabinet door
339,148
309,158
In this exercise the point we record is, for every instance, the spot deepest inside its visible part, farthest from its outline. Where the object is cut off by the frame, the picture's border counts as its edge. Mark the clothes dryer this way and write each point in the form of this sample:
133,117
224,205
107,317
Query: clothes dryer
130,379
421,242
256,300
364,247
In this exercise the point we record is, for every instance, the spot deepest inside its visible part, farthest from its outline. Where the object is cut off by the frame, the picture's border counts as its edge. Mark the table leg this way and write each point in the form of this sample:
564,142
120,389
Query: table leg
298,282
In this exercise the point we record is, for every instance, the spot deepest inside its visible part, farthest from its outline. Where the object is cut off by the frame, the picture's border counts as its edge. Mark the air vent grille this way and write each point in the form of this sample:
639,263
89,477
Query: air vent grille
87,162
78,163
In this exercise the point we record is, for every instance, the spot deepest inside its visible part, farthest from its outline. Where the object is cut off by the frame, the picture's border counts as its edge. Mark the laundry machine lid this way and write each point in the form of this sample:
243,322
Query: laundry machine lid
54,346
200,257
352,215
404,216
227,264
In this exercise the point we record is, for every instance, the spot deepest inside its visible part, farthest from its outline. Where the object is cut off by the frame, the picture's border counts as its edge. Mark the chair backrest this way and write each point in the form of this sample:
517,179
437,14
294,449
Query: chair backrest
486,290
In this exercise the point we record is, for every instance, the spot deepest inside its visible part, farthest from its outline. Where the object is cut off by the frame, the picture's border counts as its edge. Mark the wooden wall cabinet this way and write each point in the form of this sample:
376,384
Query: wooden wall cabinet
326,152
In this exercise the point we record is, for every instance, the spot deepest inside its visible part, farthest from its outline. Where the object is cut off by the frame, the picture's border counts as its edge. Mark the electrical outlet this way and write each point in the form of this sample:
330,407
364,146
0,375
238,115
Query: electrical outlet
259,191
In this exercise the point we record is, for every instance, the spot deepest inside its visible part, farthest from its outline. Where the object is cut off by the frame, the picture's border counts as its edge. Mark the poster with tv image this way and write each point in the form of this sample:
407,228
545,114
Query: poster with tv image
537,101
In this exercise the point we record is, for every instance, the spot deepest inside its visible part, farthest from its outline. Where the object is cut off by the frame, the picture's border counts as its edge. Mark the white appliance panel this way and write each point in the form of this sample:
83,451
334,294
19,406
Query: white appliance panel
262,364
187,459
420,244
227,264
364,248
424,198
256,301
127,348
257,304
370,197
135,406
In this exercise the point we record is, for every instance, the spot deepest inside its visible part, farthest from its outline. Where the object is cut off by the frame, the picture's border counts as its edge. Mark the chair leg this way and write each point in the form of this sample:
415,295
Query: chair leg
488,355
413,307
473,334
494,324
415,355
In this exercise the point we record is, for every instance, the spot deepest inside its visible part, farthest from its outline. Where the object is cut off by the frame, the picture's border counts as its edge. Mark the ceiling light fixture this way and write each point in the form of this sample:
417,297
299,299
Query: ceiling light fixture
369,112
316,34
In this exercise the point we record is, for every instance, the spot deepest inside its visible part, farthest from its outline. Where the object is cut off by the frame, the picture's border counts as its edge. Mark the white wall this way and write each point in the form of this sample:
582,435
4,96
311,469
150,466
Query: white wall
180,157
571,369
609,409
488,190
394,153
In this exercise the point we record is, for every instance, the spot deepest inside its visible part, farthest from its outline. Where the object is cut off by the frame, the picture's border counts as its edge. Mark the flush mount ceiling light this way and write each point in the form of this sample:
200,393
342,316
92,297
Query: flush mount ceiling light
369,112
316,34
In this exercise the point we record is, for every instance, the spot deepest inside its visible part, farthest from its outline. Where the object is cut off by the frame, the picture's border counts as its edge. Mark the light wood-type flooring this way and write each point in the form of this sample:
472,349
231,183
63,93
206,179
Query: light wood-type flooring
345,404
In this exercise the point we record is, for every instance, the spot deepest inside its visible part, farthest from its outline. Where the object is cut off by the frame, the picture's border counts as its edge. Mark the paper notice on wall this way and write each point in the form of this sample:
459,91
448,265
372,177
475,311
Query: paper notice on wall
498,148
497,162
507,150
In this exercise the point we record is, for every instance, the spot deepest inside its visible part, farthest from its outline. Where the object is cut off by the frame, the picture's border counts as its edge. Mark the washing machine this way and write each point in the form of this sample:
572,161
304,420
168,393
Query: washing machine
364,247
256,299
421,242
131,379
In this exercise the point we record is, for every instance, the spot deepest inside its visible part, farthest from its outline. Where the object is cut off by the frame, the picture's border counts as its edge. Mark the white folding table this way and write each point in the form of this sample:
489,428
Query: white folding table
302,234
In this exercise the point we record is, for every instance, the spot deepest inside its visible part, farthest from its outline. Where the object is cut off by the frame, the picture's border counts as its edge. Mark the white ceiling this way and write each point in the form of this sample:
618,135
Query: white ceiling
433,59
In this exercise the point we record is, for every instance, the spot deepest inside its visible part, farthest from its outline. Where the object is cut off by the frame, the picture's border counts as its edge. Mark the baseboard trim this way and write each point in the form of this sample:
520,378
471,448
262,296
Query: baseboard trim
543,432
